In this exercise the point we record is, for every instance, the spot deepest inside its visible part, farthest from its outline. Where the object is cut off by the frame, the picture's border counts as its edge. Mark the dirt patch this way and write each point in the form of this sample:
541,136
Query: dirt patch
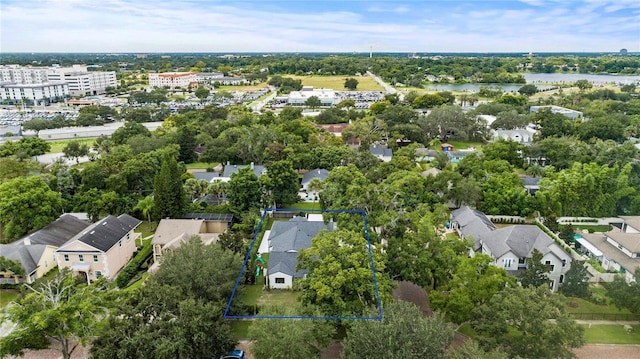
609,351
333,351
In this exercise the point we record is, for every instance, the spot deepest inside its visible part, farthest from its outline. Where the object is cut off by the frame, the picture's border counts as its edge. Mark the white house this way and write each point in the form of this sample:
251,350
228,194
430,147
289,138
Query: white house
286,239
512,246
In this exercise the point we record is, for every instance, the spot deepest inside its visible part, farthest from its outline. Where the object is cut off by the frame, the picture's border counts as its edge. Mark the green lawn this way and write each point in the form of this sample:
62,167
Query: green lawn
57,146
7,296
240,328
467,330
305,205
582,306
611,334
452,236
201,165
137,284
365,83
463,145
275,297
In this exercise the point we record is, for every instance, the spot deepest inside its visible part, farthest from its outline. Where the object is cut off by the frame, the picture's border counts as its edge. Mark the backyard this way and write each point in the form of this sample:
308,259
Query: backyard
611,334
7,296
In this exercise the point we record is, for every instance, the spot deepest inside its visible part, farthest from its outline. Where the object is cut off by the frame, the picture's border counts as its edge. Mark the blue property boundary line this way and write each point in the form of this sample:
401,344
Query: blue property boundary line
253,241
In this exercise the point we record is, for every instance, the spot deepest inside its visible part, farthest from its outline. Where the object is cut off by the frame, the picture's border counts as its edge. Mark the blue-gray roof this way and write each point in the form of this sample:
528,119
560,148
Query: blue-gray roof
207,176
28,256
379,151
231,169
295,234
318,173
471,222
285,262
520,239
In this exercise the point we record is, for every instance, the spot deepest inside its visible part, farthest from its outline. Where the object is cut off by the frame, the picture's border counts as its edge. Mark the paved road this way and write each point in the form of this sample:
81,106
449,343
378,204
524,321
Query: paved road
258,105
388,88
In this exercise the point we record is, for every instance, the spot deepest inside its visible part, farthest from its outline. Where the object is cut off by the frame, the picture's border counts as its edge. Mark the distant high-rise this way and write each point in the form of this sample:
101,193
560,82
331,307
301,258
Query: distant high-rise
370,51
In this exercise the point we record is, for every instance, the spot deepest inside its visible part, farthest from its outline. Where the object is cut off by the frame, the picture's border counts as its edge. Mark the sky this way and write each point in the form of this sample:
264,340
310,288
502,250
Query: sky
420,26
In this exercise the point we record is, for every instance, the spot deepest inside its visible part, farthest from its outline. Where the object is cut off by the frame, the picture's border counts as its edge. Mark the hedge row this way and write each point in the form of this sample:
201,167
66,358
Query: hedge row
134,266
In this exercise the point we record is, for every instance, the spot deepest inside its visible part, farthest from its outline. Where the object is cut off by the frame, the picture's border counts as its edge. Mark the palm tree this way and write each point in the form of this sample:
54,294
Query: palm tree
315,185
145,206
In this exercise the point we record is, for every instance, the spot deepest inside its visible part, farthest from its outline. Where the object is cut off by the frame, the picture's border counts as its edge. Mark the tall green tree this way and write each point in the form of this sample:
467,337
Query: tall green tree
527,323
281,183
202,93
63,310
474,282
340,280
287,338
351,84
27,204
244,190
576,281
624,294
75,150
145,206
403,333
178,312
313,102
535,275
168,193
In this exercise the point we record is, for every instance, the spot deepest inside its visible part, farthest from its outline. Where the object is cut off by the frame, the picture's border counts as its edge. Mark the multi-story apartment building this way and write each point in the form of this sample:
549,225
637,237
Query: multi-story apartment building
38,83
173,80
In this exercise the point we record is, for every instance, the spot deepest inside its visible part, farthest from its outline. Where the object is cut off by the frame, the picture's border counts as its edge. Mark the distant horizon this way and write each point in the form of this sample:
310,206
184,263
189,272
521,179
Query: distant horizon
311,26
424,53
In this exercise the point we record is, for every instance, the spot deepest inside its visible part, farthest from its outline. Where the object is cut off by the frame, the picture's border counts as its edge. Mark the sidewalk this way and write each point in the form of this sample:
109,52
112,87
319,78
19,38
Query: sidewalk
608,322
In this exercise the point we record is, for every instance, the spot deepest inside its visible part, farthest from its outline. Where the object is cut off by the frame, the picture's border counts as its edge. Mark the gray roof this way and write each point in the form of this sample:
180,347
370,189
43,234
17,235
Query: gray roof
285,262
319,173
379,151
295,234
531,181
57,232
222,217
28,256
520,239
231,169
288,238
105,233
207,176
472,222
599,240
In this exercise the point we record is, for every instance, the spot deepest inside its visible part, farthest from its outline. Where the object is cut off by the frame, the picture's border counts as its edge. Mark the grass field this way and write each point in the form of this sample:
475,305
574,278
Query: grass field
201,165
593,228
582,306
305,205
463,145
240,328
7,296
611,334
365,83
57,146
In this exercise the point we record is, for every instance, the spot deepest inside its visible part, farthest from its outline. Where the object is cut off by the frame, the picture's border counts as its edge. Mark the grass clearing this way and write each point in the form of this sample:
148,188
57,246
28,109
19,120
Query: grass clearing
58,146
201,165
365,83
7,296
467,330
463,145
276,296
611,334
240,328
305,205
578,305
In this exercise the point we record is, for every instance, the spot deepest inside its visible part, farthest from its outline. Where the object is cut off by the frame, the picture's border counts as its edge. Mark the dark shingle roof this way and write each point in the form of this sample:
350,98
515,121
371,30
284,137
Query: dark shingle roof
223,217
58,232
285,262
258,170
207,176
28,256
295,234
105,233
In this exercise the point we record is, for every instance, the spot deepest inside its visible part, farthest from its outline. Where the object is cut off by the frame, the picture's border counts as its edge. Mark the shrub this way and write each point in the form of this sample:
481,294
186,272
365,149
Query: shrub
132,268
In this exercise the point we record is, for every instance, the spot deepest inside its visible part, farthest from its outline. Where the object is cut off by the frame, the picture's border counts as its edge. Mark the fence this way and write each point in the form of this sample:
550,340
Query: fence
605,316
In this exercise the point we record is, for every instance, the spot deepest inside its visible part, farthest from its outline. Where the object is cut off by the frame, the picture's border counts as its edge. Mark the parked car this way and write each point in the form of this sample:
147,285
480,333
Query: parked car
235,354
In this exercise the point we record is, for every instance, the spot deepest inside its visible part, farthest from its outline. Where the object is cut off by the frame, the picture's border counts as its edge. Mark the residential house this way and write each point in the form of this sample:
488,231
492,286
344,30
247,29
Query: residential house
382,153
230,169
36,251
335,129
616,250
520,136
531,184
572,114
457,156
430,172
318,173
286,239
425,154
207,176
512,246
101,249
172,233
470,223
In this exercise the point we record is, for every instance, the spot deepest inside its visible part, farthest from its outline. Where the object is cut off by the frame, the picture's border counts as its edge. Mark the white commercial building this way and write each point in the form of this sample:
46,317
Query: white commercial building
80,81
173,80
83,82
326,96
48,92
